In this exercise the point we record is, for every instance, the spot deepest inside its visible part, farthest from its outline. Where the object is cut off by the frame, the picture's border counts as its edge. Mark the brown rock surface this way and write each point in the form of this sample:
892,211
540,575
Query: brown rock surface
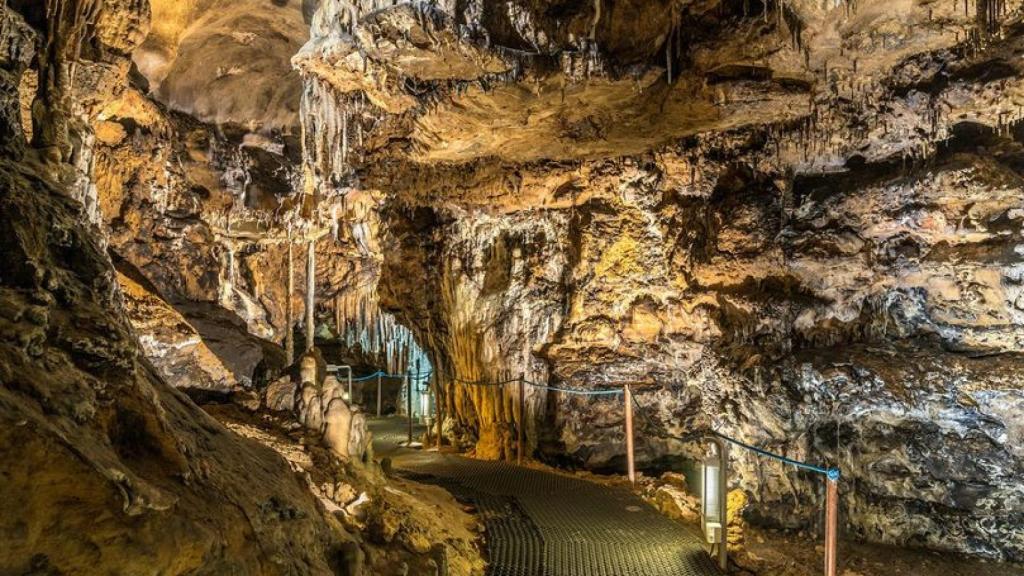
174,347
797,224
227,61
115,470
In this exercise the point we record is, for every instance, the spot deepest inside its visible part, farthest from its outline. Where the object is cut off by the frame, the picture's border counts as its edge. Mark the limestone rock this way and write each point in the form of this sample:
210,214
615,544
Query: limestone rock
171,343
279,396
137,470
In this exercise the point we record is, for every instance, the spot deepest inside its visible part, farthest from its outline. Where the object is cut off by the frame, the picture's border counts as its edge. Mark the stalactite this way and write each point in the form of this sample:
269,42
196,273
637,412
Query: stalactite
668,57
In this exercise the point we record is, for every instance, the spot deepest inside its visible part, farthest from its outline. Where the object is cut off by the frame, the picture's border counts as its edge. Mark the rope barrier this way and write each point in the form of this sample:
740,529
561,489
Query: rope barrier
411,375
832,473
483,383
576,391
368,376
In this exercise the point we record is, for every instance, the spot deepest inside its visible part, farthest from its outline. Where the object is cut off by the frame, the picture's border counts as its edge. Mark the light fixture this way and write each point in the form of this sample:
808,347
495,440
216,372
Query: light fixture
714,504
711,505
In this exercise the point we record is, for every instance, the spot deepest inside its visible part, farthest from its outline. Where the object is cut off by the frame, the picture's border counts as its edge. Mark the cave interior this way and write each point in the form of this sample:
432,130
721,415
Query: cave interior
455,287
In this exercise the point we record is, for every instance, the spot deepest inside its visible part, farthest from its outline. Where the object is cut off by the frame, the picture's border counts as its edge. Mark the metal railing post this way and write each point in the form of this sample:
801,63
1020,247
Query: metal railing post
310,296
831,524
499,409
630,466
437,408
351,398
408,403
723,498
378,394
521,423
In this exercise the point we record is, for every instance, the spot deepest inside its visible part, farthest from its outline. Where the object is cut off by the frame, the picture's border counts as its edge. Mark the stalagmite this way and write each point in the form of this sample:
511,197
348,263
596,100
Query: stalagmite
289,322
310,295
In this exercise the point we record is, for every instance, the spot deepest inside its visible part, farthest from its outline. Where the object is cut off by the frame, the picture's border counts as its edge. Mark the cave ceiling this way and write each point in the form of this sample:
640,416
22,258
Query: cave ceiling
538,81
227,61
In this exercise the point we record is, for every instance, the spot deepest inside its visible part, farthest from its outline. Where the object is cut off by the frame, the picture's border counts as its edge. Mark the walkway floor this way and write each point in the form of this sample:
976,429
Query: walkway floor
542,523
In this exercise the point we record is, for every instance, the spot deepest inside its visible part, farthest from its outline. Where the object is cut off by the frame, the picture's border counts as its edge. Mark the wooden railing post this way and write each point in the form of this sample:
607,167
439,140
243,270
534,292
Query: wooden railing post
831,524
630,465
521,421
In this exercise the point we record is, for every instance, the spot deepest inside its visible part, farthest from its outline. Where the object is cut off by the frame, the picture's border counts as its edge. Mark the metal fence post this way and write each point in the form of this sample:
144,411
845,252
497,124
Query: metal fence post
437,407
831,524
408,403
630,466
378,394
521,423
723,497
310,296
351,397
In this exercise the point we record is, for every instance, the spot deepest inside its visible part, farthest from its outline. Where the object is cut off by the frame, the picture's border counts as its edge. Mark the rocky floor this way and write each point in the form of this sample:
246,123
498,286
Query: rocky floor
778,554
403,527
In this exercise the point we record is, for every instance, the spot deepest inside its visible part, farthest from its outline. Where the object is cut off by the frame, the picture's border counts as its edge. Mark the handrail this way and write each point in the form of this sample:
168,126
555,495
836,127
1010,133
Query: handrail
721,440
577,391
832,473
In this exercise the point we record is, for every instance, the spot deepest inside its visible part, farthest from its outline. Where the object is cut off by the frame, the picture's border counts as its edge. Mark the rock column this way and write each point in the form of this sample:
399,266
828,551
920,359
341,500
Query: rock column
289,321
310,295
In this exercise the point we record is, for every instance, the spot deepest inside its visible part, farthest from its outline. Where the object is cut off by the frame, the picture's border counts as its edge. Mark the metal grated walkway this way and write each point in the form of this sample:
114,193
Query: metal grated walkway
545,524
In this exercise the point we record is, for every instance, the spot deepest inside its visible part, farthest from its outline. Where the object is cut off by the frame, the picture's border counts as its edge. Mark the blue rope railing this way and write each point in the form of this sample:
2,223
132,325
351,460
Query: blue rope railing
832,473
368,376
576,391
412,376
484,383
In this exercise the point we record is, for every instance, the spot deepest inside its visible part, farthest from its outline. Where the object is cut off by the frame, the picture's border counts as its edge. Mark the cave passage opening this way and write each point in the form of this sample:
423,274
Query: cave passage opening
379,349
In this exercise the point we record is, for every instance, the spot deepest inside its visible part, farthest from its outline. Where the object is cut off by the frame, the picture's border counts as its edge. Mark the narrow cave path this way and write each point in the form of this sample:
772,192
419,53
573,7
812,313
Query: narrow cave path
541,523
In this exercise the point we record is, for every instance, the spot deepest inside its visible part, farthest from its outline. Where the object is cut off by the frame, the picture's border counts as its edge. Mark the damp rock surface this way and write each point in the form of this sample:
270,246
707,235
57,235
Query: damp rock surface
794,224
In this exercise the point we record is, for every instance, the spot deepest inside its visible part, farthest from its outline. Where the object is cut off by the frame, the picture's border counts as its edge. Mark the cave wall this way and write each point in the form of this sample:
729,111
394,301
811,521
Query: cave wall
201,215
868,319
795,225
112,468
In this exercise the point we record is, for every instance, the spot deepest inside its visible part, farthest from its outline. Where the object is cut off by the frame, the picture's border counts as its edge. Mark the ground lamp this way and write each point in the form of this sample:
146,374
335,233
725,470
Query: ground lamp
714,500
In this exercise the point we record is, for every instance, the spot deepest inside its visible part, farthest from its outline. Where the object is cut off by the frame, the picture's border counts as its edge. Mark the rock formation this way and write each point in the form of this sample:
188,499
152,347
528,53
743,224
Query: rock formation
113,469
796,223
107,467
792,223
